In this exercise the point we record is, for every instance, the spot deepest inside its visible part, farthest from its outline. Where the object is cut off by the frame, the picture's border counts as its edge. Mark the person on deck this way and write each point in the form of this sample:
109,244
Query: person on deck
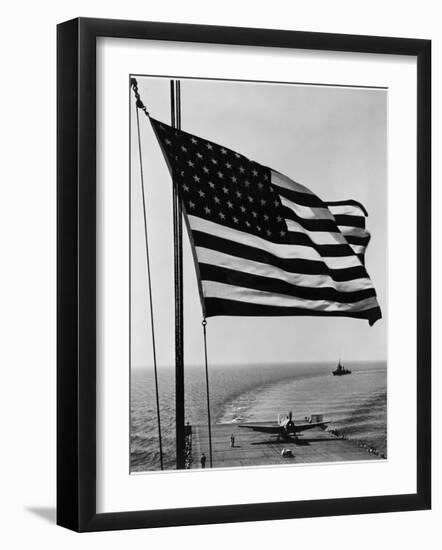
232,440
203,460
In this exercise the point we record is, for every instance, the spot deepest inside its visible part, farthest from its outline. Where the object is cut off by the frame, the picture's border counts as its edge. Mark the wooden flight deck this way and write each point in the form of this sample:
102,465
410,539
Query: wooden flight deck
258,449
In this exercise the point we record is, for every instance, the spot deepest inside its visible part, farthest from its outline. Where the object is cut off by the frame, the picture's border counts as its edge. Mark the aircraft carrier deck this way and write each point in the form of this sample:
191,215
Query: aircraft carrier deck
258,449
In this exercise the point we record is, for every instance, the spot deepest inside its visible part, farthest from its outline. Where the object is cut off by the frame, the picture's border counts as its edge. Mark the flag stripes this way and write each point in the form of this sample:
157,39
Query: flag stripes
264,244
224,306
214,289
359,240
214,258
283,251
339,285
262,282
301,266
315,224
350,221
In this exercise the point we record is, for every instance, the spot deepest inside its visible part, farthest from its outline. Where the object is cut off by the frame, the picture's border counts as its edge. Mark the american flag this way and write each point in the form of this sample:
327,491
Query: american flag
265,245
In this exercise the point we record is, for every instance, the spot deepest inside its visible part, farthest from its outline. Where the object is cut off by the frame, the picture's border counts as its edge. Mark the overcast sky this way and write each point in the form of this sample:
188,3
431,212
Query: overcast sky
333,140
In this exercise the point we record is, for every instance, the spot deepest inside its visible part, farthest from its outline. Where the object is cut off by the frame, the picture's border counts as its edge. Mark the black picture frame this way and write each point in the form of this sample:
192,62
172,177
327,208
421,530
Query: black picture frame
76,274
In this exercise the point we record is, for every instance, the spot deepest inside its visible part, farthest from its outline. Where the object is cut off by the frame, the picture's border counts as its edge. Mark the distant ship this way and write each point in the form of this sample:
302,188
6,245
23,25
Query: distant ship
340,371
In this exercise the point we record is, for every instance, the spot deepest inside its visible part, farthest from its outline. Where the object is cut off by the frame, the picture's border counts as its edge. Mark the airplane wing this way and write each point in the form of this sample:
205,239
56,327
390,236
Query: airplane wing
266,428
309,426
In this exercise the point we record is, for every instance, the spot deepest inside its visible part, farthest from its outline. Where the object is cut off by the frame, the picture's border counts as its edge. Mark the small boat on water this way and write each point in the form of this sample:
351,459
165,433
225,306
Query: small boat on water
340,371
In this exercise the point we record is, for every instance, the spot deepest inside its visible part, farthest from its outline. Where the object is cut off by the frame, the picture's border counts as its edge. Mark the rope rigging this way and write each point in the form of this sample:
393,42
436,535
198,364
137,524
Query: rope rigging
177,213
140,105
209,424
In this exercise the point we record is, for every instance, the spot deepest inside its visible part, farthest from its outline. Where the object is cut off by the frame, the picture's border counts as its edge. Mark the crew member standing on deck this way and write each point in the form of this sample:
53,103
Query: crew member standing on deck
203,460
232,440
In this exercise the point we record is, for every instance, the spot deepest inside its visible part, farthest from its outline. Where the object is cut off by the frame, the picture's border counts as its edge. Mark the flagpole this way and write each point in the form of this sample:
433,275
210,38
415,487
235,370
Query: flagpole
175,100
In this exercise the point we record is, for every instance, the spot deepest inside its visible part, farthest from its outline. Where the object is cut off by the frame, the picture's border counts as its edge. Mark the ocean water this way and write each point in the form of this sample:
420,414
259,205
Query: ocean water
355,405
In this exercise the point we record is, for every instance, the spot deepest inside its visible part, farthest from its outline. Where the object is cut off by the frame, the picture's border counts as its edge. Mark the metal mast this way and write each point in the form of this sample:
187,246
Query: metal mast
175,101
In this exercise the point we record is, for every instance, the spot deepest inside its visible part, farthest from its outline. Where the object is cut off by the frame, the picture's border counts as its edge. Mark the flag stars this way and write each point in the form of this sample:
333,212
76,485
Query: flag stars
224,187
